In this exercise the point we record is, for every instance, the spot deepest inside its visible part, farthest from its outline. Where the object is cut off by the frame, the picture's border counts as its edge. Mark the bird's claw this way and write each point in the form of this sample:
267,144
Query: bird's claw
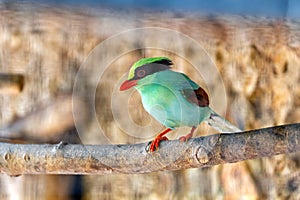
182,139
153,145
185,138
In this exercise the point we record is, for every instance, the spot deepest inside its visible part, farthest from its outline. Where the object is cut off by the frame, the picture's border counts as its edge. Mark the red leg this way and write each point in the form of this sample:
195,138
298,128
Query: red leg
188,136
158,138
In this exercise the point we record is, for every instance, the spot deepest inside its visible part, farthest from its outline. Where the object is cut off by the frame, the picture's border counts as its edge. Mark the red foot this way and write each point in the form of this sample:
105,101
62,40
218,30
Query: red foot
155,143
188,136
185,138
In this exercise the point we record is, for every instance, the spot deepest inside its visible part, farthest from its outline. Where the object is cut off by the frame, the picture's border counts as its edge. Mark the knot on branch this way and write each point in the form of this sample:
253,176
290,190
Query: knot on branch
203,155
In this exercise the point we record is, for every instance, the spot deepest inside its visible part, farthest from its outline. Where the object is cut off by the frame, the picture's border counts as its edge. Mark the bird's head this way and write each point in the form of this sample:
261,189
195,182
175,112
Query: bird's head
143,68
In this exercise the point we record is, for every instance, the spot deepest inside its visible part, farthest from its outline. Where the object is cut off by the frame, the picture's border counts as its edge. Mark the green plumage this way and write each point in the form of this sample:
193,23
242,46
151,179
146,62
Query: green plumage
162,97
171,97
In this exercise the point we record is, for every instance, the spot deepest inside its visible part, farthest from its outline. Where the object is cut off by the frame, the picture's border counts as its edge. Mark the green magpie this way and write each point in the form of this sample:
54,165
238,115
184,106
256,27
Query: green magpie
172,98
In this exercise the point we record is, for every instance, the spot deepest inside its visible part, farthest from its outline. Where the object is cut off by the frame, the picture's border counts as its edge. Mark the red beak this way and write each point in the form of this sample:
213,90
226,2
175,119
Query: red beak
128,84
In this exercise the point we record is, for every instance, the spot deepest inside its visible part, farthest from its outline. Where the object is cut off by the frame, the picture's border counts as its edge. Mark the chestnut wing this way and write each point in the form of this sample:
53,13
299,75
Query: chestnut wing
198,96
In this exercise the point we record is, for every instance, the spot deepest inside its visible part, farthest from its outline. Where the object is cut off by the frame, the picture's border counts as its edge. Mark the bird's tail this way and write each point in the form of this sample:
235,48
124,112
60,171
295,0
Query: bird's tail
221,124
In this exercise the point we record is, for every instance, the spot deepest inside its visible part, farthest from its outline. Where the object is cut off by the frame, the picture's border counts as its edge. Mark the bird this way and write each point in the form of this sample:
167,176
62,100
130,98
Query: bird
172,98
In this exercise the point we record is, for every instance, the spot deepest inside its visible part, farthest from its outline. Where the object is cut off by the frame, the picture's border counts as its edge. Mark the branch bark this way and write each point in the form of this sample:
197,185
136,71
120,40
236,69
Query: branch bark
17,159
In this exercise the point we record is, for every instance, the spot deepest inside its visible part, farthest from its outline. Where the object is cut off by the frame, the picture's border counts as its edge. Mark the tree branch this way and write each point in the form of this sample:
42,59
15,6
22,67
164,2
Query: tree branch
16,159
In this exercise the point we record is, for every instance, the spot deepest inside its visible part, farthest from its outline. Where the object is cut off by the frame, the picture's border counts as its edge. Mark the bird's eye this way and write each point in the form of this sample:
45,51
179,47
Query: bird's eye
141,73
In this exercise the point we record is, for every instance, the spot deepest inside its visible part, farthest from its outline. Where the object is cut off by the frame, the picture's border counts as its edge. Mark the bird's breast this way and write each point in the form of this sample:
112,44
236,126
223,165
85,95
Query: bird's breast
169,107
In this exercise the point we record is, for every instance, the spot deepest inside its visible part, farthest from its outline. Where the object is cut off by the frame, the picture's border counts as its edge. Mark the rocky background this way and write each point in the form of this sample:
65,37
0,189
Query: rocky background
257,58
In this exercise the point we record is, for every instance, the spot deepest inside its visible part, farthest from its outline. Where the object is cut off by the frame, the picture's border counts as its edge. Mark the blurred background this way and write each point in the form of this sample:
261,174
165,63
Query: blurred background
61,64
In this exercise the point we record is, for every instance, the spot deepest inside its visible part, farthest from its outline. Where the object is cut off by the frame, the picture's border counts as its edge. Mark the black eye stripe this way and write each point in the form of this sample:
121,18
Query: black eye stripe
164,62
149,69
